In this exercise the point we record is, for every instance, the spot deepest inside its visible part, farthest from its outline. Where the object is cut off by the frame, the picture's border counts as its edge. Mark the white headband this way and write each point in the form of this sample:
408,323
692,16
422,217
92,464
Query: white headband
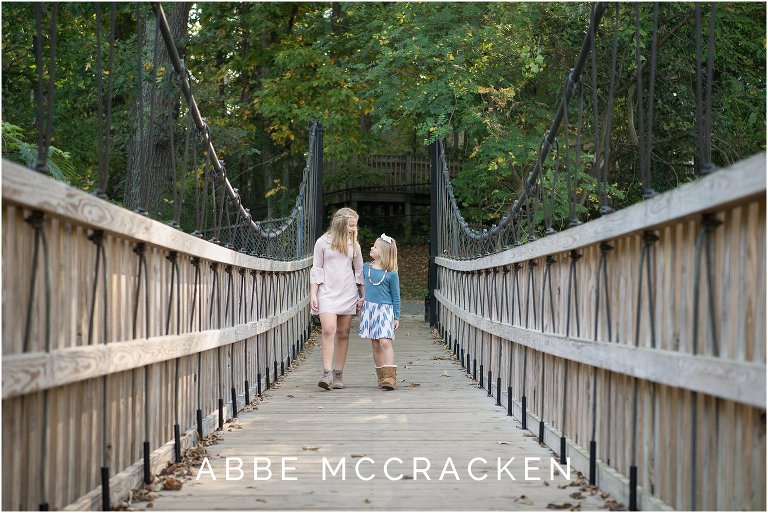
386,238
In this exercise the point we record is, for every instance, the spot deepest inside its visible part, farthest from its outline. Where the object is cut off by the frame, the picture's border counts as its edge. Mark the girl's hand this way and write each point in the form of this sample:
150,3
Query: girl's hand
313,302
359,304
397,323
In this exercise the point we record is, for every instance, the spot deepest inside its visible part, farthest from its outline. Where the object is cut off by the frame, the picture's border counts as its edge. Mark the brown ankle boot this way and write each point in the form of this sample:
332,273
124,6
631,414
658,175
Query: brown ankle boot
389,375
379,375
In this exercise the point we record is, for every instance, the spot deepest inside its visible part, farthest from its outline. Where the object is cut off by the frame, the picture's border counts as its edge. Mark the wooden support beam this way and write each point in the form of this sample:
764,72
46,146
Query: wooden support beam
30,372
22,186
741,382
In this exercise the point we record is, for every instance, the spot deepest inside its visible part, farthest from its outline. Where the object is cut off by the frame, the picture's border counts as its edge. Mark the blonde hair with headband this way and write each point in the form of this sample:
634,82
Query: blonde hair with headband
339,231
387,252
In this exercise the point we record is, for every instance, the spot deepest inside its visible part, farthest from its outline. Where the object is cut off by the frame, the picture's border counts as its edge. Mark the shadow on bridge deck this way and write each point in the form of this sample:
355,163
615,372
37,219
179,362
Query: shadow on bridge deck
436,417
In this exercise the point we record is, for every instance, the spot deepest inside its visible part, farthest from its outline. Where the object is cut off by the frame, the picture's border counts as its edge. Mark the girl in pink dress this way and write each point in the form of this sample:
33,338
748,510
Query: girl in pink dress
336,291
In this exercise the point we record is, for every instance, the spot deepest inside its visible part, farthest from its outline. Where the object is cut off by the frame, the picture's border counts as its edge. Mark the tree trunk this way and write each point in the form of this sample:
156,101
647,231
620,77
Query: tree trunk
150,156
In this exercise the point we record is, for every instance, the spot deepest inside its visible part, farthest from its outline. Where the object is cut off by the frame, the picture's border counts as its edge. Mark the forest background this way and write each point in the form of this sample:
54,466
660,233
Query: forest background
385,77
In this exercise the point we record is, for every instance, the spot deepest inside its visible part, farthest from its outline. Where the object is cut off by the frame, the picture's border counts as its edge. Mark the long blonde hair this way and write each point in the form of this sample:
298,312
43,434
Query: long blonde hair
388,254
339,231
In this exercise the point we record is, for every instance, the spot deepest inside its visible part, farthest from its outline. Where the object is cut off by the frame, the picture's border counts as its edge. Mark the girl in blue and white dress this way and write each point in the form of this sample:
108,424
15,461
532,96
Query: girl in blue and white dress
380,315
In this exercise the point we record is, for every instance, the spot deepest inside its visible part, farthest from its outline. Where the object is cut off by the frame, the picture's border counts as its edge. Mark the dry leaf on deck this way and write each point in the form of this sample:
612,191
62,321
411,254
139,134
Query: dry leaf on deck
171,483
559,505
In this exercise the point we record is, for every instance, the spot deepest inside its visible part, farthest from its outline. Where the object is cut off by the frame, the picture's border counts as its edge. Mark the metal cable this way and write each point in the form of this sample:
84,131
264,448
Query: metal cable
42,152
45,126
648,150
709,167
640,111
547,285
110,84
606,145
311,172
514,212
573,293
99,103
141,164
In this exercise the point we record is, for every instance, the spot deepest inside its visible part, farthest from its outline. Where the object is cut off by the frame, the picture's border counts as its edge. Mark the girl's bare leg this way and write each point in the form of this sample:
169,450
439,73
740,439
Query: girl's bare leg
377,356
329,324
342,340
387,352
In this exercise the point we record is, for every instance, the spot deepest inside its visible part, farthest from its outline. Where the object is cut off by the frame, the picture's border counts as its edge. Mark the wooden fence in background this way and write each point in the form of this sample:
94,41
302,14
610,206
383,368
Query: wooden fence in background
643,332
102,354
392,172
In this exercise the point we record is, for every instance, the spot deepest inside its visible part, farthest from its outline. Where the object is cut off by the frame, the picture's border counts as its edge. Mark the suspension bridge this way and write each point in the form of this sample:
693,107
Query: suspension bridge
629,348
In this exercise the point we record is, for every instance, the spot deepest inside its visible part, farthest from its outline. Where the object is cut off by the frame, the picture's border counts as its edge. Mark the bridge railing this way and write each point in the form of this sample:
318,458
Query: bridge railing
124,340
633,344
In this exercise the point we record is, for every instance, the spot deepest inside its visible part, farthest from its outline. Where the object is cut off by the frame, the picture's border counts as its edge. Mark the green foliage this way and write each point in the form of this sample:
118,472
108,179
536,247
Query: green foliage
58,164
392,77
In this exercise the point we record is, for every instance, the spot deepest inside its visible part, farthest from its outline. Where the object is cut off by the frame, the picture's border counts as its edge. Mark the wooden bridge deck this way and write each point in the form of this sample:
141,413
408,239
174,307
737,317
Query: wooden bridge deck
435,413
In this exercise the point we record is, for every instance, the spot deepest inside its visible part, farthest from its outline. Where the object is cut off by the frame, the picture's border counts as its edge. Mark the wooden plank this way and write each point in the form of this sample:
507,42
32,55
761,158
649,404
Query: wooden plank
25,373
739,183
22,186
408,422
742,382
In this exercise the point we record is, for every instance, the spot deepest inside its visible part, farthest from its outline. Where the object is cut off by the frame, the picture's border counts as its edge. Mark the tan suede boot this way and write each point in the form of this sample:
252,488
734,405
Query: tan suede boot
389,374
337,382
326,381
379,375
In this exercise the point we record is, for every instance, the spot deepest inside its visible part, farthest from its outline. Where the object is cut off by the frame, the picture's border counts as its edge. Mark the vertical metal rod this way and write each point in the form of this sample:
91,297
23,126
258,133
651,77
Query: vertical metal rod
525,412
434,227
562,449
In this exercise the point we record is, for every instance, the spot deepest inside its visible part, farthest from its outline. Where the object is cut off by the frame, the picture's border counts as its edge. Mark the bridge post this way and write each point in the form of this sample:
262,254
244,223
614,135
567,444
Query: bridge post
434,228
318,157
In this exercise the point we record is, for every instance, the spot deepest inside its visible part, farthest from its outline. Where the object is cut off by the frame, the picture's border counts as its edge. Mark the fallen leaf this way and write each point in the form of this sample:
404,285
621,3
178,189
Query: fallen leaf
524,500
560,505
414,385
576,495
171,483
310,448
